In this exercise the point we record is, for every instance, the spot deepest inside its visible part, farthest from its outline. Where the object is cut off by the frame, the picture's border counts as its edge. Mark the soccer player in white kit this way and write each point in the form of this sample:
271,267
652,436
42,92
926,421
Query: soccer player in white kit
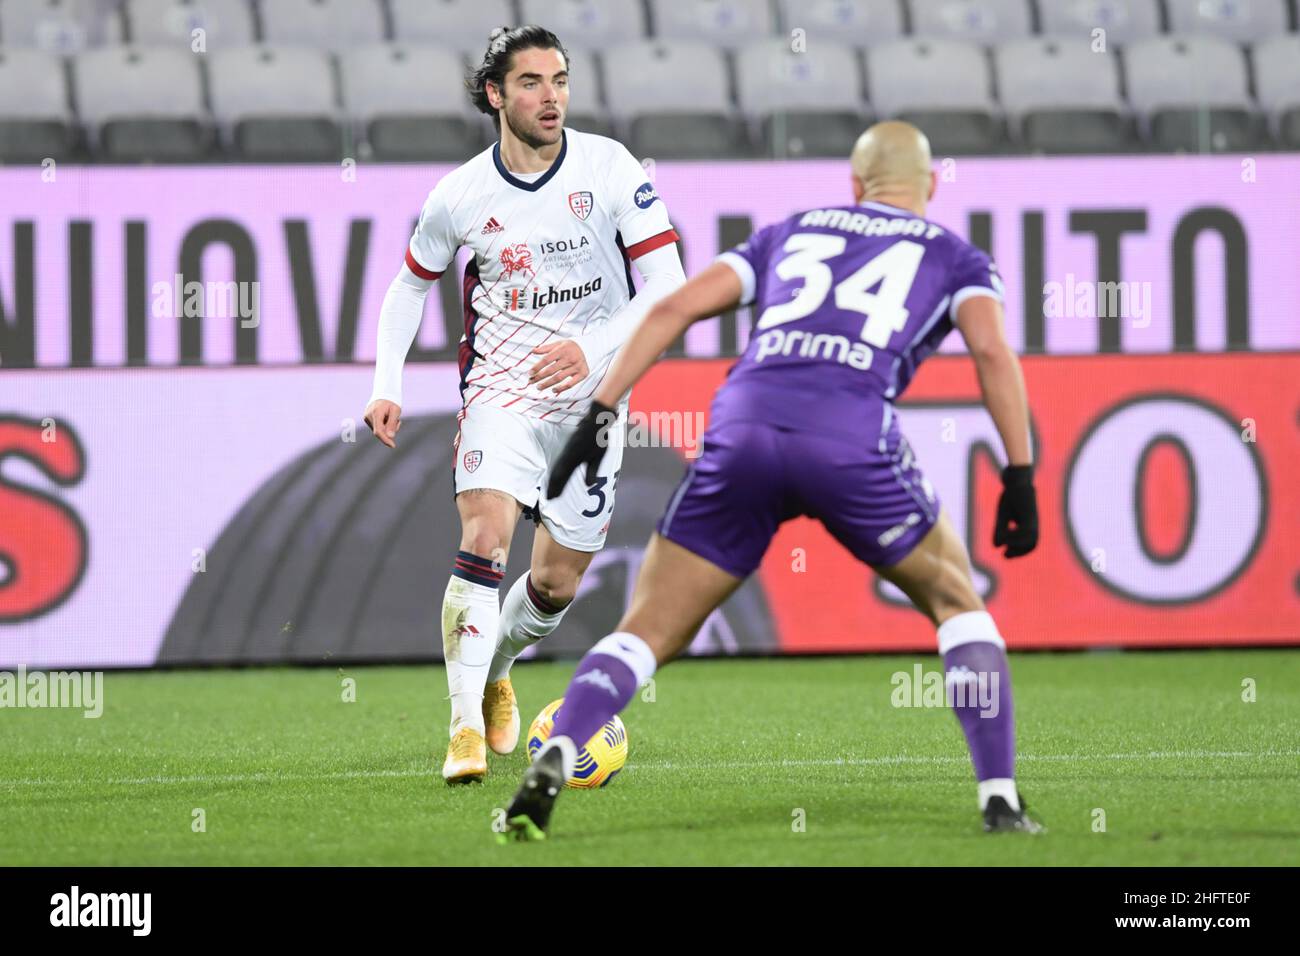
555,219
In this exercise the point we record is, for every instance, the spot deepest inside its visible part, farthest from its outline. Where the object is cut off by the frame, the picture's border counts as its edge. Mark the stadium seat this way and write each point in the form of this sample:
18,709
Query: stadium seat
587,24
457,24
725,23
1233,20
1063,98
807,104
172,22
591,123
977,21
142,104
1277,82
859,22
276,104
409,102
1193,92
1125,21
34,114
323,24
60,26
673,98
940,85
586,112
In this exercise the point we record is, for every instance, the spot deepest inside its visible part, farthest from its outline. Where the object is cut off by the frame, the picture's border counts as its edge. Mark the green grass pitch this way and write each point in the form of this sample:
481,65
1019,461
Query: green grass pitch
799,761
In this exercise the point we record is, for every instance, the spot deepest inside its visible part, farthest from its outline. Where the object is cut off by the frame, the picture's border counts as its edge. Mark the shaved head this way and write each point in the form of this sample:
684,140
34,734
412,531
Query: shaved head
891,162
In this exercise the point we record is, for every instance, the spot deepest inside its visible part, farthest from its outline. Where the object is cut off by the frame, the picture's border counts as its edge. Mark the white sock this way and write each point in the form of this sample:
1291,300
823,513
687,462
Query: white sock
967,628
522,625
469,626
1003,787
632,651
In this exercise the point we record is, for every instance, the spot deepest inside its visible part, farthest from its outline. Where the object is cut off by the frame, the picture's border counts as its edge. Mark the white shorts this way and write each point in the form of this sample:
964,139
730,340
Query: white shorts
498,449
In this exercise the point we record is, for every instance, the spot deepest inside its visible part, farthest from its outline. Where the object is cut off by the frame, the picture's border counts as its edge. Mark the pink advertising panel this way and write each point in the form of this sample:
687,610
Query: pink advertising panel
181,490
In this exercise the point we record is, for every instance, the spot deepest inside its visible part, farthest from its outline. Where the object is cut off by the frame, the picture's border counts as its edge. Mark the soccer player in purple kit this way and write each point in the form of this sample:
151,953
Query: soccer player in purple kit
847,301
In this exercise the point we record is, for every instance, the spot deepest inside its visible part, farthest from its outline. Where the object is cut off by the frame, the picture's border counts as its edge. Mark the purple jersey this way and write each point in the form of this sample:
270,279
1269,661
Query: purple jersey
847,302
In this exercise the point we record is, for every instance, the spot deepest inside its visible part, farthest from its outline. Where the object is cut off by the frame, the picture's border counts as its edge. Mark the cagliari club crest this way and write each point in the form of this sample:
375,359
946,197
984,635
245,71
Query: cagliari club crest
472,460
580,203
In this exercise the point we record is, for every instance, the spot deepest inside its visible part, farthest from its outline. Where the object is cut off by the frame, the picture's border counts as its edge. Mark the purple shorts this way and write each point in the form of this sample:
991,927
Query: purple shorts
753,477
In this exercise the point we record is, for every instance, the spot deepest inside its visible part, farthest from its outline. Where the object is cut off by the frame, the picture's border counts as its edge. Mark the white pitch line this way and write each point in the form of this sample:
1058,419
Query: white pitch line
223,778
1020,758
901,759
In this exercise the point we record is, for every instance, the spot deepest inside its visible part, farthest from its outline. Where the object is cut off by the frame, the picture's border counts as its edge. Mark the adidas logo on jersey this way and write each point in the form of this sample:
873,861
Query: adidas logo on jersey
493,227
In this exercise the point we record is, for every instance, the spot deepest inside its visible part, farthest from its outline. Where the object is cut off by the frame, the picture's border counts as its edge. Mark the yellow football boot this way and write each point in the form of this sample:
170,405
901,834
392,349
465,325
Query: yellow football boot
466,757
501,716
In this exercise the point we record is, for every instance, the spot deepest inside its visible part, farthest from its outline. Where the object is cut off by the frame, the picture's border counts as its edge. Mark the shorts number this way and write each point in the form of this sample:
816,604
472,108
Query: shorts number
595,491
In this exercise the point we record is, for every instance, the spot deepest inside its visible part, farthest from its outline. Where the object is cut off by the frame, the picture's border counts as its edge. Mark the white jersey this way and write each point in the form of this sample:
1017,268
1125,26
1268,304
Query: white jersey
551,262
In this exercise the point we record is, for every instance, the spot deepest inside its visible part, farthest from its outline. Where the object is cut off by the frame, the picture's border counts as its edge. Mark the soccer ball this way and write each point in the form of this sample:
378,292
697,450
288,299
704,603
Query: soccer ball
598,762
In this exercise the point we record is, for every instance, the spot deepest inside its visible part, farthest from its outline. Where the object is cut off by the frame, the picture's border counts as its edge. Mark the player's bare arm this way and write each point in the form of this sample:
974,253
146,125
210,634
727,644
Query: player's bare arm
713,291
979,319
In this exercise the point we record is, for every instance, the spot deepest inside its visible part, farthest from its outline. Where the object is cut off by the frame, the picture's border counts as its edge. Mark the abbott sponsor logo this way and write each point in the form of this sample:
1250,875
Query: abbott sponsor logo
645,196
75,690
75,909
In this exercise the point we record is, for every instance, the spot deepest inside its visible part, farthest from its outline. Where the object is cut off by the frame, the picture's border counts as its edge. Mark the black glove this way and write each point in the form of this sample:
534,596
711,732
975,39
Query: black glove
1018,506
586,445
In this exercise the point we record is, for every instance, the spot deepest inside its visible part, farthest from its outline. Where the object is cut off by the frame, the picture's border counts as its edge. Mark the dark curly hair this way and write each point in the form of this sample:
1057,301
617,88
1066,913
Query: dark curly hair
503,44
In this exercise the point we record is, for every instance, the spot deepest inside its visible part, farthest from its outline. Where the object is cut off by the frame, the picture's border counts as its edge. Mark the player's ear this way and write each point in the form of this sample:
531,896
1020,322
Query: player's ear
493,94
858,191
934,182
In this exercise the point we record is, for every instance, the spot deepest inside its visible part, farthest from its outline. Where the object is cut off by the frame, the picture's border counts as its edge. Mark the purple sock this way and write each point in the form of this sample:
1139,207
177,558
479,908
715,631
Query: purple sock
978,685
603,685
